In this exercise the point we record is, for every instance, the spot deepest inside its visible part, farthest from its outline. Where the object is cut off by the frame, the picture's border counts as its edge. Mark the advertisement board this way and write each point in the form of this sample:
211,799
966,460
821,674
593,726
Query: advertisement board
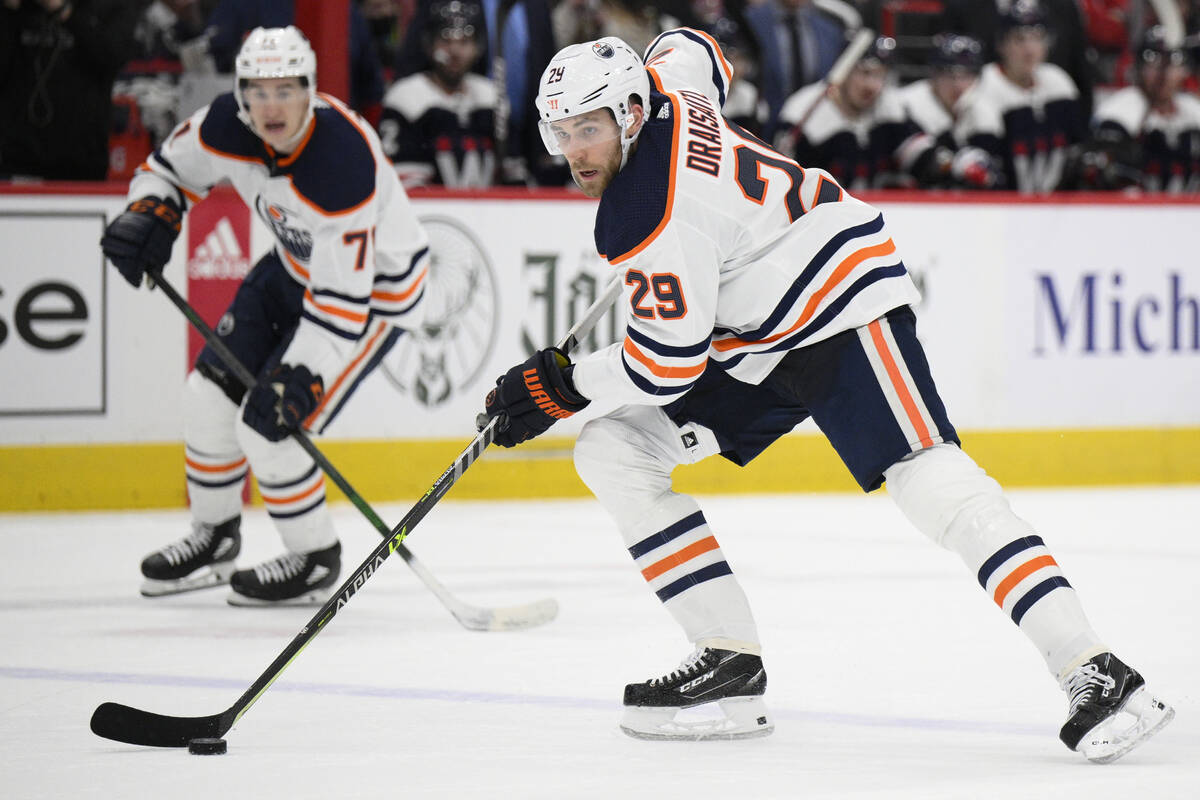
1064,337
52,313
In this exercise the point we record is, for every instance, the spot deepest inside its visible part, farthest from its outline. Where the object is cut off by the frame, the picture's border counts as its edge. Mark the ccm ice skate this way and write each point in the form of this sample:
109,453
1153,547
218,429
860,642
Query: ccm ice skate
1111,709
202,559
292,579
714,694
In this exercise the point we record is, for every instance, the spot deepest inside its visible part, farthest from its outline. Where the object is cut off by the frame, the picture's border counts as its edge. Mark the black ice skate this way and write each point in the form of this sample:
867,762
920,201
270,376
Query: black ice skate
1111,710
289,580
198,561
714,694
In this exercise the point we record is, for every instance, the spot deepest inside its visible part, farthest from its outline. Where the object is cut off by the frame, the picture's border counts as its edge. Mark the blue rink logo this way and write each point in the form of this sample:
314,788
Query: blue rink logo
283,223
462,318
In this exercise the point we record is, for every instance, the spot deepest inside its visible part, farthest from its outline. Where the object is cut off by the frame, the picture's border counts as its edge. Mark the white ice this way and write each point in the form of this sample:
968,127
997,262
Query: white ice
891,674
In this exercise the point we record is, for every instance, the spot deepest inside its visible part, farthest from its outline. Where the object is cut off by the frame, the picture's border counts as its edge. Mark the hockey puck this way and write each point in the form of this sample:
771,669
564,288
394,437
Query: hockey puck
206,747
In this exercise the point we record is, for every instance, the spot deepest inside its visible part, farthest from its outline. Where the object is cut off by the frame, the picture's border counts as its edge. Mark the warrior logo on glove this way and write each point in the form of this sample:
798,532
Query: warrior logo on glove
532,396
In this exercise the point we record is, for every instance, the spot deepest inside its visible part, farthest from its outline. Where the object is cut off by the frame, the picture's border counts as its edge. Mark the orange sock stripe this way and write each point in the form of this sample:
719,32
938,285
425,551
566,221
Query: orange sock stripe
681,557
278,501
232,465
1021,573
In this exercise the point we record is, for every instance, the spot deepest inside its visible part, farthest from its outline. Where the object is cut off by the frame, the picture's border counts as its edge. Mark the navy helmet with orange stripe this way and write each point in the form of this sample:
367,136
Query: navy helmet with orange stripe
581,78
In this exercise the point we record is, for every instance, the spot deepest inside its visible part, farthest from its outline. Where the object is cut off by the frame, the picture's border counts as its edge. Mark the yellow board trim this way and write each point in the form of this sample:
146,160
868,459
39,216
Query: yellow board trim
124,476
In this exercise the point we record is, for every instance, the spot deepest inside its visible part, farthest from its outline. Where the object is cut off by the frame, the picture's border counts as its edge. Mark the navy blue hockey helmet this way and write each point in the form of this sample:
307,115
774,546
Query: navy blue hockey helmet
953,51
1021,14
455,19
1155,48
882,50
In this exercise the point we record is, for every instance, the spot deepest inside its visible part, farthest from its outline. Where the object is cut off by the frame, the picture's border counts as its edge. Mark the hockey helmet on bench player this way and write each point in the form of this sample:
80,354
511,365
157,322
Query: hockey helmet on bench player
589,76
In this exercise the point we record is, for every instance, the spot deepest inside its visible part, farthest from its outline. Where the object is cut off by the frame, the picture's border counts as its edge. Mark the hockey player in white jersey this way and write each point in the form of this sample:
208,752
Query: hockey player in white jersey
858,130
313,317
934,105
759,293
1025,112
439,126
1148,135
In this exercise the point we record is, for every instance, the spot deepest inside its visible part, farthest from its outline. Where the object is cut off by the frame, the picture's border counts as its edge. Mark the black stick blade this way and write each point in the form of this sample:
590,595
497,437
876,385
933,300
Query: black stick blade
134,726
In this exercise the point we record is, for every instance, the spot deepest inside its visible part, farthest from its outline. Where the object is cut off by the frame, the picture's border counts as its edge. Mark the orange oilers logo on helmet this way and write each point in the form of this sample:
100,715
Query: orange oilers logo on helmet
540,398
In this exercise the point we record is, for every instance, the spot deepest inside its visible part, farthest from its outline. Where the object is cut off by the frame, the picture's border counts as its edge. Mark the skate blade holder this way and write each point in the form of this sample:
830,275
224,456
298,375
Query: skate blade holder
735,718
1142,716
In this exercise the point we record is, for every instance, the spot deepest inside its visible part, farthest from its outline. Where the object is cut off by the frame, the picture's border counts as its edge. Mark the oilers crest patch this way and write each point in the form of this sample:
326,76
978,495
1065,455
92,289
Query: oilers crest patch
603,49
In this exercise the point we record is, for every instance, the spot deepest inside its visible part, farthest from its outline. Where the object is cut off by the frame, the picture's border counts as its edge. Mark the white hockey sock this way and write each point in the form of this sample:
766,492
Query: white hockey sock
293,490
626,458
215,464
951,500
681,561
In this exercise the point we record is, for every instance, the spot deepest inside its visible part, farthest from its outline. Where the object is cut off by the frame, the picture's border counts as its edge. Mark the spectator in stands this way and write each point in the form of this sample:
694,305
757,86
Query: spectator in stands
233,19
635,22
934,104
1024,112
1068,48
58,60
799,40
1148,135
438,126
858,131
525,48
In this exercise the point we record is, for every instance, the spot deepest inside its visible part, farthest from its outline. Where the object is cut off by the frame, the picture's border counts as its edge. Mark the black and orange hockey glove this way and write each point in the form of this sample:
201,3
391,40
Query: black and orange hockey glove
284,401
140,239
533,396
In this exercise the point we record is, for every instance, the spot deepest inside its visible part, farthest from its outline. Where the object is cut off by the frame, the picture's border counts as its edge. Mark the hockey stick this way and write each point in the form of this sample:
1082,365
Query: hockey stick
471,617
836,76
127,724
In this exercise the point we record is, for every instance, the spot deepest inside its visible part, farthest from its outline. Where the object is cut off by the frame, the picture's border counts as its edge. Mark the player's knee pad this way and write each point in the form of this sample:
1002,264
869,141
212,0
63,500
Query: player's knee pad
944,493
209,417
622,465
273,462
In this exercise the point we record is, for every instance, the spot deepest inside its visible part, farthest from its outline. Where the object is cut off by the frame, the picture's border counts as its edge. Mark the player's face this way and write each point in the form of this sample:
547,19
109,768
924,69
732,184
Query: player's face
1021,52
950,85
277,108
453,57
863,86
591,143
1163,77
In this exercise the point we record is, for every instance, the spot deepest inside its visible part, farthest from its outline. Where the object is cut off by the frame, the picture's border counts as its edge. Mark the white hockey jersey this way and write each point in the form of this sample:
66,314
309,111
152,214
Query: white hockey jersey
343,226
731,254
439,137
1169,143
1028,130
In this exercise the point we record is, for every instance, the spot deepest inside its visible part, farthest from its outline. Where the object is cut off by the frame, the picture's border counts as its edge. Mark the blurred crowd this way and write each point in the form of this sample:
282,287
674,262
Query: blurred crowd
1032,96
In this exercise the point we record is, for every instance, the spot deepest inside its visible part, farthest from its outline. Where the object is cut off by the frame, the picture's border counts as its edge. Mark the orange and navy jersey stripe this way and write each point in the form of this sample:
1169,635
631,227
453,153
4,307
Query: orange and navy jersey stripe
660,369
340,314
849,262
1020,574
395,294
680,556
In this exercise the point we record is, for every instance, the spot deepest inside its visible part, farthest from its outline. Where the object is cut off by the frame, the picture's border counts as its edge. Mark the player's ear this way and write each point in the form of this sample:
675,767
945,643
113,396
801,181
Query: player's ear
639,114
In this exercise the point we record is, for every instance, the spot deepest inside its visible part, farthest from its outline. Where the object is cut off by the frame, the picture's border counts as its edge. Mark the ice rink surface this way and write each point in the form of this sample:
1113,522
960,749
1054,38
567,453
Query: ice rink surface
891,674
